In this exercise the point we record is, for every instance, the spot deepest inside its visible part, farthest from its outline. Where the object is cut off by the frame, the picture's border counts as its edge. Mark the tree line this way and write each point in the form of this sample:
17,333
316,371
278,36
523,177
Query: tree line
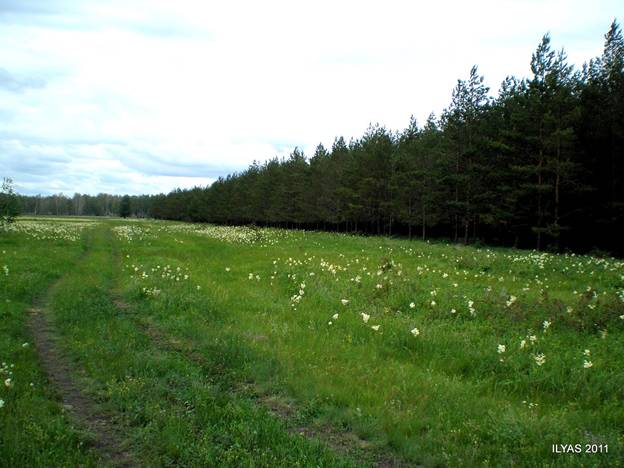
540,165
103,204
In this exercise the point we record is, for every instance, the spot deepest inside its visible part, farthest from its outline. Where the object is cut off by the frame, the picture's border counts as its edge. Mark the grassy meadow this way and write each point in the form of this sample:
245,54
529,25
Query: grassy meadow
232,346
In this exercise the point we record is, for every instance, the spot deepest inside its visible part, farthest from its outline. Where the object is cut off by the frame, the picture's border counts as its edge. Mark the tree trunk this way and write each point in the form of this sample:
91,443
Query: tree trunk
539,207
539,189
456,198
474,227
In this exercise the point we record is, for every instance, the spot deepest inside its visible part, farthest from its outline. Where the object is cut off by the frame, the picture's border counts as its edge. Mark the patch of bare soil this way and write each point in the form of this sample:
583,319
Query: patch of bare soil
121,305
79,406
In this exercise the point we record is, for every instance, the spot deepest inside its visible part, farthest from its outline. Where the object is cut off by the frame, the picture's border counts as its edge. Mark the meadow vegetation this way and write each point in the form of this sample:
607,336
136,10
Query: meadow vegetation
237,346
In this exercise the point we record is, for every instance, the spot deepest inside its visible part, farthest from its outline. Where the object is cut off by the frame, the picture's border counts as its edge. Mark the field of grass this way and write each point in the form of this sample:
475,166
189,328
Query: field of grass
224,346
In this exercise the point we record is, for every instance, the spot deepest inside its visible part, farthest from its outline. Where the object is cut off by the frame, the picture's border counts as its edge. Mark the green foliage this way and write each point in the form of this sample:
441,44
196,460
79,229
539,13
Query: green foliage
124,207
34,431
9,207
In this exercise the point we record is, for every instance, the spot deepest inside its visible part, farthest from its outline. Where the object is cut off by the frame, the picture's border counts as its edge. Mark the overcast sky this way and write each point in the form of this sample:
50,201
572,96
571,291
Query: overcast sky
142,96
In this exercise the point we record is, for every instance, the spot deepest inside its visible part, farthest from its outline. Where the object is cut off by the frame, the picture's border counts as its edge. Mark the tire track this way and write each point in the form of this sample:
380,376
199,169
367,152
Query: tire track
347,444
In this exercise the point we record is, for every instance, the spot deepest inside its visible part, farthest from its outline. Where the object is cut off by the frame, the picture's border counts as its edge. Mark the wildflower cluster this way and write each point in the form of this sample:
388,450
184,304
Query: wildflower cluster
262,237
6,375
134,232
540,359
158,276
50,230
151,291
296,298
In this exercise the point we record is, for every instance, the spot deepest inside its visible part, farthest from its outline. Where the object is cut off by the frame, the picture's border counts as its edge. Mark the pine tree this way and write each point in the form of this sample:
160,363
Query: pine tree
461,122
549,117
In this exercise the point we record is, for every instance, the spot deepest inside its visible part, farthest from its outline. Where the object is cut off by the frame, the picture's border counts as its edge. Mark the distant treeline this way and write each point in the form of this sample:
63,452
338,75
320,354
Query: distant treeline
541,166
103,204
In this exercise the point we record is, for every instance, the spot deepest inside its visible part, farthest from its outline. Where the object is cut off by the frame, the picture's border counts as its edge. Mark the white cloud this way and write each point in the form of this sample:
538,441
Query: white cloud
150,95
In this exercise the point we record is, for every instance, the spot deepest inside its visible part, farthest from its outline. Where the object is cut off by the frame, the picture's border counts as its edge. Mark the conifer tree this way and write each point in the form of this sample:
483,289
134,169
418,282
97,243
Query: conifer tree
461,122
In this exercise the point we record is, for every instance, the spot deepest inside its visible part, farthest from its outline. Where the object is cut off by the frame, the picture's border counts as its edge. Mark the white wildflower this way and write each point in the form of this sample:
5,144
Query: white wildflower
540,359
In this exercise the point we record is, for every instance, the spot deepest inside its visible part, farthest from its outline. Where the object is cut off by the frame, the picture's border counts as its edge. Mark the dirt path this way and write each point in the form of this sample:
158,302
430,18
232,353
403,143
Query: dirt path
81,408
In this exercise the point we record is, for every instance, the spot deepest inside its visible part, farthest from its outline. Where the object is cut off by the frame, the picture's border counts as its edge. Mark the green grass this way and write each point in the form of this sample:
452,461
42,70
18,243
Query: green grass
33,429
446,397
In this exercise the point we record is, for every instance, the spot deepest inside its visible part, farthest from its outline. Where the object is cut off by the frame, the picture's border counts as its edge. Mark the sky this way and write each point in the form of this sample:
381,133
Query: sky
144,96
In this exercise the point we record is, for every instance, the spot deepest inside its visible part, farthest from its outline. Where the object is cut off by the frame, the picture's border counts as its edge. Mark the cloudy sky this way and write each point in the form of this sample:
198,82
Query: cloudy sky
142,96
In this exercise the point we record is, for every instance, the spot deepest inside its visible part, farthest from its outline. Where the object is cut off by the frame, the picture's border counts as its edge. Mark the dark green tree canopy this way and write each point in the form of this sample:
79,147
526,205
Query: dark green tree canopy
124,207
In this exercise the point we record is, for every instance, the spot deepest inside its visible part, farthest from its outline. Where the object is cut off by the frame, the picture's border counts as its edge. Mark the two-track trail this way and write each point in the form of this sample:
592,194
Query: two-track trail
81,407
82,318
